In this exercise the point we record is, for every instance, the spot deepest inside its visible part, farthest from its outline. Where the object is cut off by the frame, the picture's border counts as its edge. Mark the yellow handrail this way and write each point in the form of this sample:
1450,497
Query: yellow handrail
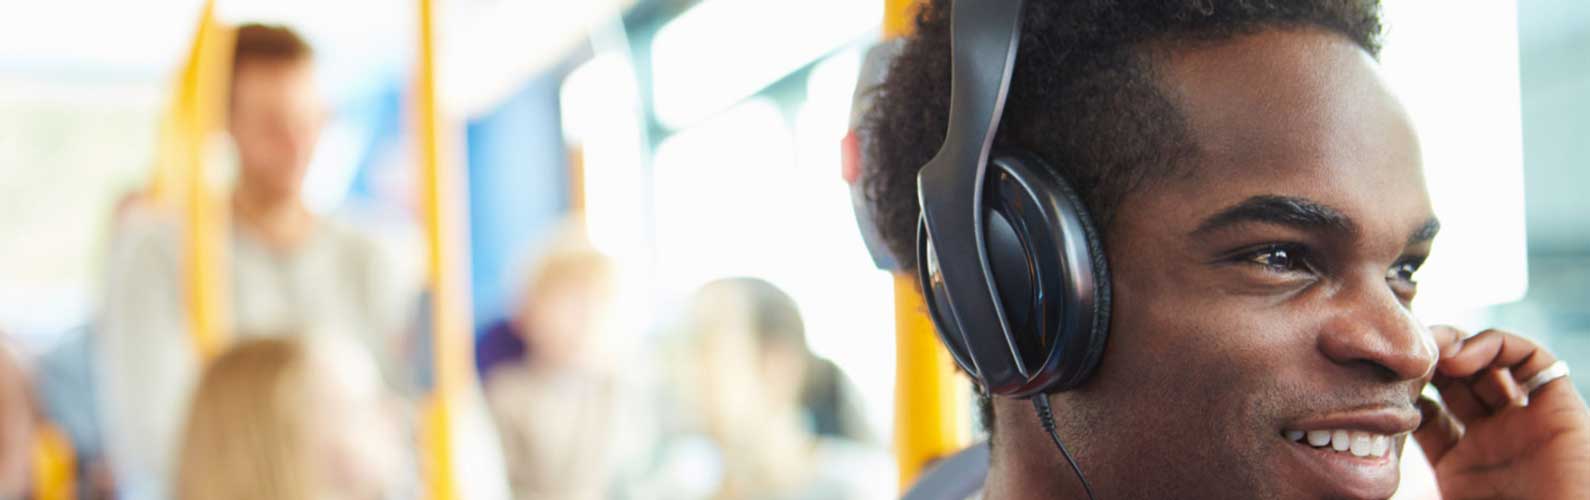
54,465
195,112
440,186
931,400
899,18
576,155
932,407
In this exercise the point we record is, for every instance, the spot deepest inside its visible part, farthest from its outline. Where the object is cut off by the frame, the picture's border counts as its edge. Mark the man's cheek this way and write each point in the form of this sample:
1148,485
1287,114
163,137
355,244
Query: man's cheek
1234,359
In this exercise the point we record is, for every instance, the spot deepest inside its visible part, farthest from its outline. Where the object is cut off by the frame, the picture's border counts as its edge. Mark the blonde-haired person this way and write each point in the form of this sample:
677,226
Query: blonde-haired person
289,418
567,420
743,372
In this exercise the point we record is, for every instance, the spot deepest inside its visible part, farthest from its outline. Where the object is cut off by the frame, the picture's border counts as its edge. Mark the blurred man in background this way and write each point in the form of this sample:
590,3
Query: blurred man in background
289,269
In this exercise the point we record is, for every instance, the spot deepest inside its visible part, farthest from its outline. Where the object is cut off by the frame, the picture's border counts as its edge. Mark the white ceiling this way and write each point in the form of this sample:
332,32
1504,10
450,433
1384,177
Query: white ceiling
490,46
487,47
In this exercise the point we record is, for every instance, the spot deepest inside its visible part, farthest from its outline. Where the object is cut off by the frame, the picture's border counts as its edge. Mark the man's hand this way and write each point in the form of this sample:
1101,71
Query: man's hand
1491,440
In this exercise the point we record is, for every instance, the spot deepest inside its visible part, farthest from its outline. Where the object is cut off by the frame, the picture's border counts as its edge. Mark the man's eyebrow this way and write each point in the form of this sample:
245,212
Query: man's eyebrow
1425,232
1291,211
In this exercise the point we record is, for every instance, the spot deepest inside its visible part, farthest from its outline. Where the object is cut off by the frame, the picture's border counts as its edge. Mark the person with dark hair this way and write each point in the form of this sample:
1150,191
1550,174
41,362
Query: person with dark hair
289,270
1259,198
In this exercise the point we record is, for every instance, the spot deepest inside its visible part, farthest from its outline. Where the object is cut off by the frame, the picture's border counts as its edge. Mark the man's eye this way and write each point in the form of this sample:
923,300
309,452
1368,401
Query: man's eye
1280,258
1403,271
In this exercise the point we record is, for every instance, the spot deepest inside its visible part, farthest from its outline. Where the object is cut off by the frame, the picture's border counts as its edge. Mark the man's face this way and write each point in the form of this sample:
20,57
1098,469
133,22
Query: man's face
1266,290
275,120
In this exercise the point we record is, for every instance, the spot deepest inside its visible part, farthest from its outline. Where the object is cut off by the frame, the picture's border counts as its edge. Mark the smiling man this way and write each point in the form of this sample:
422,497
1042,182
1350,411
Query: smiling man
1260,202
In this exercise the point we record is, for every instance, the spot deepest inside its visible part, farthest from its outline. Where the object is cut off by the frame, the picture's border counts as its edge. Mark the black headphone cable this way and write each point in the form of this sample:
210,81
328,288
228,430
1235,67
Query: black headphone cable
1046,417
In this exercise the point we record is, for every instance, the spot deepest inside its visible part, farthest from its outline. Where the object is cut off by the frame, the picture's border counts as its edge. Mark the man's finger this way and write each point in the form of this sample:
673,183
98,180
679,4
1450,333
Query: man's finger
1438,431
1460,399
1556,395
1496,388
1447,339
1488,349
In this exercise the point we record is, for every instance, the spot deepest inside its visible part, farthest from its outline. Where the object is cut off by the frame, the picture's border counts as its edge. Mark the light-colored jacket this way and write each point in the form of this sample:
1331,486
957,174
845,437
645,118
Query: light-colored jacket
338,280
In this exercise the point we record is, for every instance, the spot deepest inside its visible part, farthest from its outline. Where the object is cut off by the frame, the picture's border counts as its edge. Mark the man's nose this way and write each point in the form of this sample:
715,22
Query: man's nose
1371,326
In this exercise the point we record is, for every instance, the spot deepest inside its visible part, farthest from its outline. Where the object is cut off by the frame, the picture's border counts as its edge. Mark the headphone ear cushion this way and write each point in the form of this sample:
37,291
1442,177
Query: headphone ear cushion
1060,216
1049,266
937,301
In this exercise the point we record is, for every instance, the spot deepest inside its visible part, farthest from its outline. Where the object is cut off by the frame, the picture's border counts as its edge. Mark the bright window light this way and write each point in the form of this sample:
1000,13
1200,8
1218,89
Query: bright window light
735,197
850,306
724,50
601,115
600,103
1456,70
722,189
333,166
490,49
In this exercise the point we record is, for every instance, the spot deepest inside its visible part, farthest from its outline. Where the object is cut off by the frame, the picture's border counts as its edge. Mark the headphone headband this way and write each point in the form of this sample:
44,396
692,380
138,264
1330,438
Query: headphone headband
984,38
1004,243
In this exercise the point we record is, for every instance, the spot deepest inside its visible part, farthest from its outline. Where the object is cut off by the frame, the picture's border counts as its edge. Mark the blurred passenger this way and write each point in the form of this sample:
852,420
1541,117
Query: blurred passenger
503,342
560,410
500,344
831,403
16,427
288,269
747,383
289,419
65,383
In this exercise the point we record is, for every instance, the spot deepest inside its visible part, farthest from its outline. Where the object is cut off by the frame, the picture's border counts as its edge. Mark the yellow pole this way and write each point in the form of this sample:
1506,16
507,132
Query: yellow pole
932,417
576,178
196,111
451,339
931,411
54,465
899,18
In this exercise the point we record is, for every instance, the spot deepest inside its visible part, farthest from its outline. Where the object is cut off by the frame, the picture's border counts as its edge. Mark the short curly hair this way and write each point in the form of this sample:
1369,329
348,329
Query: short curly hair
1084,95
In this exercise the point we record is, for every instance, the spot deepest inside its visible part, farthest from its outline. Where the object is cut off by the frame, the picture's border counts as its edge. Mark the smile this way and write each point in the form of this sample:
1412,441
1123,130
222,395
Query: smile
1358,443
1351,453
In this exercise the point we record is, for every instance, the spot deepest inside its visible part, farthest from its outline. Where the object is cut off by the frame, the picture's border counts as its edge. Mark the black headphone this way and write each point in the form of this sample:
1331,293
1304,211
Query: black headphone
1013,272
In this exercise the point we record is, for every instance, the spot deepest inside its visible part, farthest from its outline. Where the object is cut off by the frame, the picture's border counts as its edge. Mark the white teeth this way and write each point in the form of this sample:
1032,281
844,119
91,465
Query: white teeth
1361,444
1340,441
1358,443
1382,444
1319,438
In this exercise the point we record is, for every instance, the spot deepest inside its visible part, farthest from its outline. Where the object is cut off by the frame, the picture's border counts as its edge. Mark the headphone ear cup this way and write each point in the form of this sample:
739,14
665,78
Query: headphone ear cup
1057,258
931,279
1050,275
1019,282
